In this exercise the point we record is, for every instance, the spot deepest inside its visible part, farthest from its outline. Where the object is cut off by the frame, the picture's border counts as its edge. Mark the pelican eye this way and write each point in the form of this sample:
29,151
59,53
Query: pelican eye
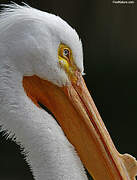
65,58
66,53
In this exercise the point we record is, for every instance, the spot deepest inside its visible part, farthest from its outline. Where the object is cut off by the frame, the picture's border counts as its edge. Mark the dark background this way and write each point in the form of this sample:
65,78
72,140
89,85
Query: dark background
109,35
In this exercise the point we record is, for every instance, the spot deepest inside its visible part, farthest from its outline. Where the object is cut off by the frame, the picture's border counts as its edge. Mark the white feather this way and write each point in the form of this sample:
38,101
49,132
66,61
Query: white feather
35,36
29,40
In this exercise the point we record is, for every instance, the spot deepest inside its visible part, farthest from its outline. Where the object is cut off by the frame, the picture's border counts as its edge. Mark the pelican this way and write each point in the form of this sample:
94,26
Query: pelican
41,63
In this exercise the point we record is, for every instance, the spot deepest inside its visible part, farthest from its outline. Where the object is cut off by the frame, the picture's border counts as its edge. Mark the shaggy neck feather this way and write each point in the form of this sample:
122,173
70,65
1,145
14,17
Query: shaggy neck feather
47,150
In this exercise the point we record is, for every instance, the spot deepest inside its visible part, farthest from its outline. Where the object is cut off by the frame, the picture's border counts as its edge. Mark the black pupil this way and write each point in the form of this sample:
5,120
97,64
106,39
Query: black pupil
66,52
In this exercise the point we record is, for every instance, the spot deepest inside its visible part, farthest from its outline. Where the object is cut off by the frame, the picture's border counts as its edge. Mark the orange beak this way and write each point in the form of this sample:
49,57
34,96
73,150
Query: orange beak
76,113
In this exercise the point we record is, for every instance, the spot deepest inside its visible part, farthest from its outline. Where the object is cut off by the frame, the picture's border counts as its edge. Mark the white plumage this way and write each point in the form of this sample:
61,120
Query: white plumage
33,68
29,40
35,36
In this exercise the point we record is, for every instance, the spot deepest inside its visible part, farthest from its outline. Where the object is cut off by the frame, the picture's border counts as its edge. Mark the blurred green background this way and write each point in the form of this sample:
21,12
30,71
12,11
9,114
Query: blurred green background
109,35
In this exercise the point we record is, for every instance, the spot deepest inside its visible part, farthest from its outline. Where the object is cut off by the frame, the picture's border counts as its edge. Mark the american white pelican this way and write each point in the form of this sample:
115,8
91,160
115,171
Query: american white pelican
41,60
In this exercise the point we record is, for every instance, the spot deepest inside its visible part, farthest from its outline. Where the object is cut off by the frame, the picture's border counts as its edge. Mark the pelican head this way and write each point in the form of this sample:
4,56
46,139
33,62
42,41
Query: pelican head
37,37
42,63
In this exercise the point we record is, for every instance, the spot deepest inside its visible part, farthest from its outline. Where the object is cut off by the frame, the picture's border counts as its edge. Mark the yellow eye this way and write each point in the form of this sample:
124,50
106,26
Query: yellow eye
66,59
66,53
